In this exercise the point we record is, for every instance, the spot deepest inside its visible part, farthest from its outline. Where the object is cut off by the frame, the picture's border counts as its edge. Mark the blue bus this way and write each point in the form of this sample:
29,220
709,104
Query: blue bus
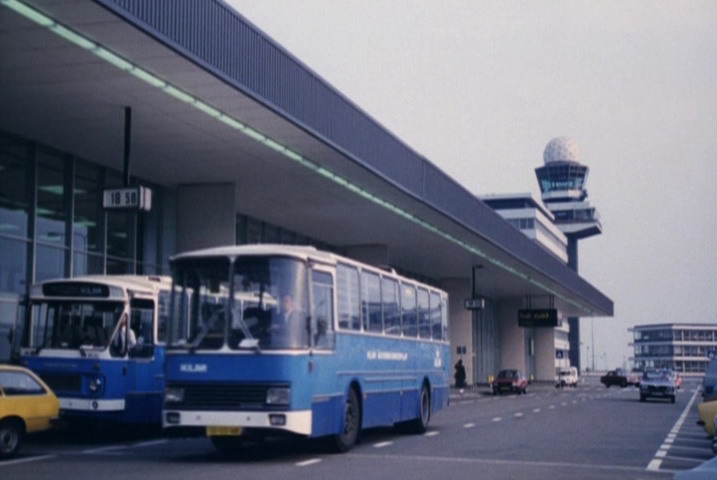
98,342
268,339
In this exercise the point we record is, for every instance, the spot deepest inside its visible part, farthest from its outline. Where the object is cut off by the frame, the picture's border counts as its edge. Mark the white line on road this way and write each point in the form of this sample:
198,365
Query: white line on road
563,403
469,425
149,443
105,449
552,407
26,460
536,410
661,453
519,414
496,419
306,463
382,444
431,434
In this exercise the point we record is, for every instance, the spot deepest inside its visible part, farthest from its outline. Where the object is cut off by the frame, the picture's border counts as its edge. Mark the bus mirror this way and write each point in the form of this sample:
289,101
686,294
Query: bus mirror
249,343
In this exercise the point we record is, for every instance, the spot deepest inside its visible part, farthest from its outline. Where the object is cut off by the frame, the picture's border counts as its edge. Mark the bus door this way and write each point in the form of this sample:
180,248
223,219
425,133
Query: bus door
145,365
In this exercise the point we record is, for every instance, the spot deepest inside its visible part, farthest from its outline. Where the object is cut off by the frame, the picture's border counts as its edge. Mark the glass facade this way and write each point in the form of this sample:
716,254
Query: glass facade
52,223
561,176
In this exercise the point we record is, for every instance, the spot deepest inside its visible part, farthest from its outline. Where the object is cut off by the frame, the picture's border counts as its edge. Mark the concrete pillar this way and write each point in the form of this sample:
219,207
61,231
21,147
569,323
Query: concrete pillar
512,337
544,354
377,255
460,324
206,216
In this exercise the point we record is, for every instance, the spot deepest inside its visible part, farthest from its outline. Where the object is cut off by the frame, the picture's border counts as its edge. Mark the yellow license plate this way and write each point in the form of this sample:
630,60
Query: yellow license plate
223,431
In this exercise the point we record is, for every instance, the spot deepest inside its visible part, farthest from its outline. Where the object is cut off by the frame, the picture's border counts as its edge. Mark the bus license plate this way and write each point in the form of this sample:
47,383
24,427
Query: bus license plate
223,431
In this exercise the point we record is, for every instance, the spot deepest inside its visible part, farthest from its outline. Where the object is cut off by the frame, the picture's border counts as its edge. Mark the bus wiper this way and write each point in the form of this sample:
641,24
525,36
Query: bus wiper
204,331
248,342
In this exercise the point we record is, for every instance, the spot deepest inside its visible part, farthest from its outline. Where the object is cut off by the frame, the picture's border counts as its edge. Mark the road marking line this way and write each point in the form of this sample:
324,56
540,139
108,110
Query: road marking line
563,403
495,461
306,463
552,407
496,419
469,425
382,444
519,414
105,449
431,434
669,440
26,460
149,443
536,410
661,453
575,401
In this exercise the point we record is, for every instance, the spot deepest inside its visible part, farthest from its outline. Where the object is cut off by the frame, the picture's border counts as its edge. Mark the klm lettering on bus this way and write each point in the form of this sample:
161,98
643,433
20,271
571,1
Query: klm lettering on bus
381,355
193,367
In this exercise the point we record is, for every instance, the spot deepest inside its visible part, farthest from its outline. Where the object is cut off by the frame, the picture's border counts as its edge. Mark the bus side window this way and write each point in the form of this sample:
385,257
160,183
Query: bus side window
347,285
408,310
436,327
371,302
163,315
424,321
322,320
391,311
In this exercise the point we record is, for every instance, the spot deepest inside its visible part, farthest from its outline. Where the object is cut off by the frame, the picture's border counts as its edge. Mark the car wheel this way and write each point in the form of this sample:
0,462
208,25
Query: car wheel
623,384
525,390
642,398
607,385
672,399
343,442
11,433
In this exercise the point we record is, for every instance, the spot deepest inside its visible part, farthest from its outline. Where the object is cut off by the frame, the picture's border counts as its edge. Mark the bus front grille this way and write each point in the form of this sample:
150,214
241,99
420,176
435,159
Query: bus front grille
228,397
63,382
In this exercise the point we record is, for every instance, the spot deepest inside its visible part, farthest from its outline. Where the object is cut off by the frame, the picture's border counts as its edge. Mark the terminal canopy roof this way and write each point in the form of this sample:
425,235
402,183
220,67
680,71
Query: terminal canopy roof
215,100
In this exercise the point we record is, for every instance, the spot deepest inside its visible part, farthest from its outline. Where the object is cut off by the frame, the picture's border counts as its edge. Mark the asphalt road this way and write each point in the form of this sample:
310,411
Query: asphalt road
588,433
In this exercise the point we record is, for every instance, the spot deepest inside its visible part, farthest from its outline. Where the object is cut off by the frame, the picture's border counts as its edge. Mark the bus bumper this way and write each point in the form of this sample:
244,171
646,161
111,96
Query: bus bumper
92,404
295,421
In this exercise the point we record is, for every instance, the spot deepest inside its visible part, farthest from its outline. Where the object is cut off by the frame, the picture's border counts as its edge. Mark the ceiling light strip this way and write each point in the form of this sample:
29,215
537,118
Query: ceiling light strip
151,79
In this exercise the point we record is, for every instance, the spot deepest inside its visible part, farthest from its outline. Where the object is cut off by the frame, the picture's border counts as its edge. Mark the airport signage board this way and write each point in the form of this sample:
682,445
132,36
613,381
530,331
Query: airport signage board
128,198
543,317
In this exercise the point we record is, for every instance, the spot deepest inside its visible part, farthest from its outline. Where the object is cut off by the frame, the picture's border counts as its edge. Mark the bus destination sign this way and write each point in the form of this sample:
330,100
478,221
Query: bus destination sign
129,198
544,317
75,289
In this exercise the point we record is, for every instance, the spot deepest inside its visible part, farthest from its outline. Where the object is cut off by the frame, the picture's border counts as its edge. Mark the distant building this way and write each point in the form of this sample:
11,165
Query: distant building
683,347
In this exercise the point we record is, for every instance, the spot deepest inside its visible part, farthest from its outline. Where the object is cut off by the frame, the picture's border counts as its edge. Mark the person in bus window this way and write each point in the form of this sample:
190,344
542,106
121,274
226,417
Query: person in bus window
126,338
288,330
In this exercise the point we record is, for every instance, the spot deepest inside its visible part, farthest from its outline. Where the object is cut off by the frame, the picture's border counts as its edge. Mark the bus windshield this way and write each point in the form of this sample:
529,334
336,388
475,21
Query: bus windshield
73,324
268,304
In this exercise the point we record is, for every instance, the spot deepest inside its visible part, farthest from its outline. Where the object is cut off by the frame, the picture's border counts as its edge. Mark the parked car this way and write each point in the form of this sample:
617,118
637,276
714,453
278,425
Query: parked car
658,384
618,377
27,405
567,377
510,381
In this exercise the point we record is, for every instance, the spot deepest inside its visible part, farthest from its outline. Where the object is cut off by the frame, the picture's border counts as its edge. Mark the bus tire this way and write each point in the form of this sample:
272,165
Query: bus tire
227,445
343,441
420,424
11,433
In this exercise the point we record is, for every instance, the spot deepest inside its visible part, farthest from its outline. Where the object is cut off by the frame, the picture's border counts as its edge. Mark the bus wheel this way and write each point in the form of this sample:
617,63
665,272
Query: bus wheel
352,424
227,445
10,437
420,424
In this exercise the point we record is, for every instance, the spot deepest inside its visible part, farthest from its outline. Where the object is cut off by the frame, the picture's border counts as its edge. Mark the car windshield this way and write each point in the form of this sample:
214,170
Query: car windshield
73,324
655,375
268,304
508,374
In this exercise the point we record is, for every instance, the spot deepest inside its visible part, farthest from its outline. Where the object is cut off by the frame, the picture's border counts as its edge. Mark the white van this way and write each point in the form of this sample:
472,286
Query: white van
566,377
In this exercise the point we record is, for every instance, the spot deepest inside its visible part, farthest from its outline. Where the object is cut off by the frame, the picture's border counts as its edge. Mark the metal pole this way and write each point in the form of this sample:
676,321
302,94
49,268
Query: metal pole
592,339
127,142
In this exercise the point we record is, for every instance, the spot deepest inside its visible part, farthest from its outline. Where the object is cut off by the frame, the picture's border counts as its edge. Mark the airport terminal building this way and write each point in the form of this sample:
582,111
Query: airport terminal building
239,142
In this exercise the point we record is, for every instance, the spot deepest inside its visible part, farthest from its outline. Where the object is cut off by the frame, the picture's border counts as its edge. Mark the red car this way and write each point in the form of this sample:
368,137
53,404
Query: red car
510,381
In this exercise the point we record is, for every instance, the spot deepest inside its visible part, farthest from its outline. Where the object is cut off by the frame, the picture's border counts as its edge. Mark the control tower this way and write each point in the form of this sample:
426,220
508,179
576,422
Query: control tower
562,185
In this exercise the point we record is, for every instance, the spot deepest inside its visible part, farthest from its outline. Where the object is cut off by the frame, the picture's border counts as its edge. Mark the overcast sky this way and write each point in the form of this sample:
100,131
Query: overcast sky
479,88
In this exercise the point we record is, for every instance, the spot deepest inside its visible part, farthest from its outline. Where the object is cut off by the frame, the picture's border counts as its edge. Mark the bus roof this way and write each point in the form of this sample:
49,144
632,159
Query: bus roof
148,283
306,253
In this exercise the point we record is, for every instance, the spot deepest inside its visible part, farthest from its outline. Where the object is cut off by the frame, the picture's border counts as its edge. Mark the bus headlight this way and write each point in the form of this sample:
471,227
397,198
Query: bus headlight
95,384
278,396
173,394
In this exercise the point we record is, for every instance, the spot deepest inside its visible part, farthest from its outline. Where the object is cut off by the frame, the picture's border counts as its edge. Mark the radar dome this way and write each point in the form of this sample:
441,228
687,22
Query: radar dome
562,149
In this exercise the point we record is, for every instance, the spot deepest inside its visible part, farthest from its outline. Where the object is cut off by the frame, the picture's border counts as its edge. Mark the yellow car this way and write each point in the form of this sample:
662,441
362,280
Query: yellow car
26,405
708,415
